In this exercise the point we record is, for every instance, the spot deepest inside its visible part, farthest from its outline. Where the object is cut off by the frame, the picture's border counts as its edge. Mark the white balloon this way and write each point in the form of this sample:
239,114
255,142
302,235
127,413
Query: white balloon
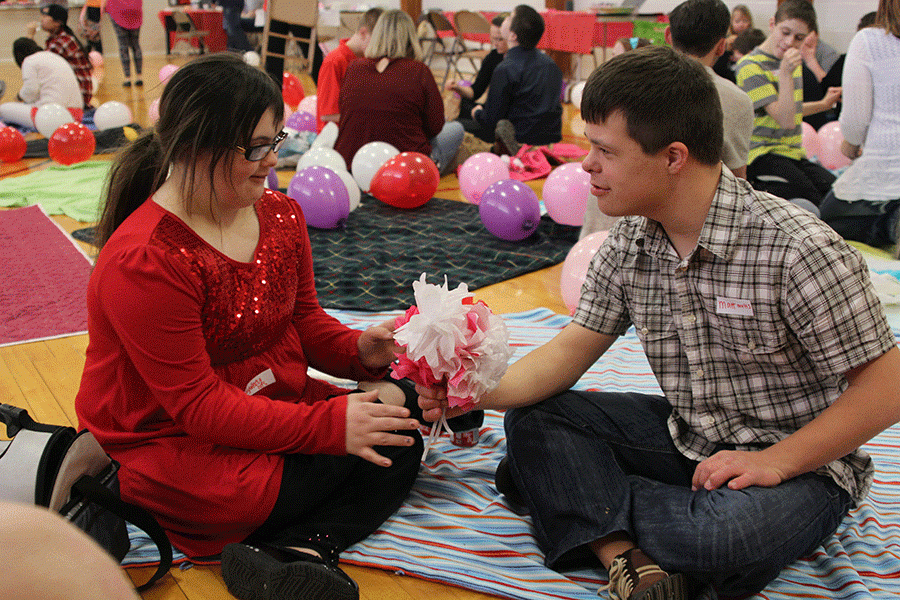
368,160
50,117
325,157
577,92
252,58
112,114
327,137
352,188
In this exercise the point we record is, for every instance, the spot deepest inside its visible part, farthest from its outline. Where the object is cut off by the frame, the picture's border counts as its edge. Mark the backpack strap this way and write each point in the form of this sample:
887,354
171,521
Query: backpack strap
94,491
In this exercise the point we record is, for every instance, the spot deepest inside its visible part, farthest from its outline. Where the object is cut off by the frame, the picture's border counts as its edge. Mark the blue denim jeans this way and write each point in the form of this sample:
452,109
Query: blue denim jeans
588,464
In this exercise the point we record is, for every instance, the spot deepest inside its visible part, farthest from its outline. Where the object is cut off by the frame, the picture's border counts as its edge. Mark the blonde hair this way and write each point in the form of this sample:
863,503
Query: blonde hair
740,8
888,16
394,36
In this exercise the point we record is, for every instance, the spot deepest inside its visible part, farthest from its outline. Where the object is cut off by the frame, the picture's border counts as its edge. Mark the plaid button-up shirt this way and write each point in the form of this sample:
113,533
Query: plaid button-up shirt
65,45
751,335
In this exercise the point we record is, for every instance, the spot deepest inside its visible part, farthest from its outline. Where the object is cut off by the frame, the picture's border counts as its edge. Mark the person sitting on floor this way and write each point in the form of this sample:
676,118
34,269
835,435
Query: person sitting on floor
523,103
772,77
822,67
391,96
46,78
746,42
61,39
334,66
864,203
697,28
774,355
470,92
204,325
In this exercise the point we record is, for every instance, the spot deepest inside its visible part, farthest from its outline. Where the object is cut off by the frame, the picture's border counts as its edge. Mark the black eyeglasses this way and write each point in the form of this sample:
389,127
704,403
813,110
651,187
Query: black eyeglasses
255,153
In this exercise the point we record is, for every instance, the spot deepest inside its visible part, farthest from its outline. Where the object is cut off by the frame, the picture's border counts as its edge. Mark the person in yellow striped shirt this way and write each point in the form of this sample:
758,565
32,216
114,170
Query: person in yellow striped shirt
772,77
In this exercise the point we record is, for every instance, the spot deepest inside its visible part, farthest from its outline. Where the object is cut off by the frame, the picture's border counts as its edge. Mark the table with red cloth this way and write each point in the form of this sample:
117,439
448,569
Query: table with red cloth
576,32
204,20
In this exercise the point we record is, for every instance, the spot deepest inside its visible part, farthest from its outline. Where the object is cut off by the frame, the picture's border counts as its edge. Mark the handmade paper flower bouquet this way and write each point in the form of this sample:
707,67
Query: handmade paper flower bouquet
451,339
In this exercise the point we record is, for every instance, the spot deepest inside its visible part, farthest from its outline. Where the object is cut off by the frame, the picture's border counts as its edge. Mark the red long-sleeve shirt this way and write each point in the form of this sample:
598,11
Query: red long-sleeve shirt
401,106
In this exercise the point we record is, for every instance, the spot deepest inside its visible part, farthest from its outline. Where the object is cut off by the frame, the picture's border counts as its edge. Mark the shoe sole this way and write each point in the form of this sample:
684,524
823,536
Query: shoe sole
249,575
673,587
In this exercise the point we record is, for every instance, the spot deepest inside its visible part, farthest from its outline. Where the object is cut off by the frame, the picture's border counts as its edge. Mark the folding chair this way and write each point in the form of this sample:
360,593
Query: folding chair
187,31
449,43
471,23
282,19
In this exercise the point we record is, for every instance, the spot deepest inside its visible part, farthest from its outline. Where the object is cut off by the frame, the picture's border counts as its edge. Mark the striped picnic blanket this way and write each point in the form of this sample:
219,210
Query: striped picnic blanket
454,528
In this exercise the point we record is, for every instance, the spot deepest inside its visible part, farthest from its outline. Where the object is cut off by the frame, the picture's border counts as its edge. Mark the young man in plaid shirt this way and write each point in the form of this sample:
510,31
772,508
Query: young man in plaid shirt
61,40
774,357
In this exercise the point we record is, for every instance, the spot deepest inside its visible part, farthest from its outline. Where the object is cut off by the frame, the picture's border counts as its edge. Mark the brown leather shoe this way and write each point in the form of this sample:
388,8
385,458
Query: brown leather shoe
633,576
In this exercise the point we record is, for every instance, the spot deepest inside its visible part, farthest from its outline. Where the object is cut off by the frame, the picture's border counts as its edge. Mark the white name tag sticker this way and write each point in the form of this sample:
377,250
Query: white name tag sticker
265,378
733,306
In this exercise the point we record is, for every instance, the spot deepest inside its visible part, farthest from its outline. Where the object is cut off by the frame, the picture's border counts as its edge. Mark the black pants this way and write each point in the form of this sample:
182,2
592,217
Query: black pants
872,223
801,178
344,497
275,64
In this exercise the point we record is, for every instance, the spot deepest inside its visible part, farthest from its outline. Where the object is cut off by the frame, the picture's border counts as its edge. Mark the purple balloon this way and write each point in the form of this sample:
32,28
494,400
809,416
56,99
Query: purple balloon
510,210
272,179
301,121
322,196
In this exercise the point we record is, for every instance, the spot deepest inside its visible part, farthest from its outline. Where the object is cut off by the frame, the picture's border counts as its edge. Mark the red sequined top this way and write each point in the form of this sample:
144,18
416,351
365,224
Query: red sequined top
196,373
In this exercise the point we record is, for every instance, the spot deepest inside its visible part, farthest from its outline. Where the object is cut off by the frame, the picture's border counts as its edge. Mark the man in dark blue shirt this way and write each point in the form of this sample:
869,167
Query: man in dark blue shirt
523,104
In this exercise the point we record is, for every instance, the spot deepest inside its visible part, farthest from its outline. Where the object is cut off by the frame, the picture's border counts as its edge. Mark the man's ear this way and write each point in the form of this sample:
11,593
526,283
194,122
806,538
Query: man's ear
677,155
669,35
771,23
720,47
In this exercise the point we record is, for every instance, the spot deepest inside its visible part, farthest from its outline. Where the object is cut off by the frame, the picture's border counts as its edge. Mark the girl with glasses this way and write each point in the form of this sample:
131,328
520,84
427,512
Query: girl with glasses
203,321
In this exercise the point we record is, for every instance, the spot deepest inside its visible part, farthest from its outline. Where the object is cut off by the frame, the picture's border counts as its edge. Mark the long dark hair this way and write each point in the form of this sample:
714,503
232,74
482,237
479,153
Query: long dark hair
209,105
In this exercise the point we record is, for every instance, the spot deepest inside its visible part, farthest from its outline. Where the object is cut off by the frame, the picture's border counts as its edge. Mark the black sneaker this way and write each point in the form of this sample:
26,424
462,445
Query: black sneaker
254,573
126,83
139,83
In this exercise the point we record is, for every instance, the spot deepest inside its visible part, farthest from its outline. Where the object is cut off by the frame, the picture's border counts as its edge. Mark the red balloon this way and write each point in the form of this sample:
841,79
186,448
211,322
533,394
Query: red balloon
407,180
12,145
71,143
291,90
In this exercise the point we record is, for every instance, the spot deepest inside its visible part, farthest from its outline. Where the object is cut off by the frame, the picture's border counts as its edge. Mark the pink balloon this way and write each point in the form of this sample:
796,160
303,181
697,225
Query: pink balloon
811,142
830,138
308,104
510,210
153,111
575,267
478,172
166,71
566,192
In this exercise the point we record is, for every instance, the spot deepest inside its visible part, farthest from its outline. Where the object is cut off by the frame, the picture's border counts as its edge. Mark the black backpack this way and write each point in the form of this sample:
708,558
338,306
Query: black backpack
68,472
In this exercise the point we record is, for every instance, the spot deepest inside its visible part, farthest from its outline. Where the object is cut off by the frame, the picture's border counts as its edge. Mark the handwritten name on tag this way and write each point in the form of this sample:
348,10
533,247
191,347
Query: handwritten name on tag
265,378
733,306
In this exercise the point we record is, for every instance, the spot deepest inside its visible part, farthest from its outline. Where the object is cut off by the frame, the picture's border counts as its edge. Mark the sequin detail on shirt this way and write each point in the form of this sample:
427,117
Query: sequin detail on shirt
258,300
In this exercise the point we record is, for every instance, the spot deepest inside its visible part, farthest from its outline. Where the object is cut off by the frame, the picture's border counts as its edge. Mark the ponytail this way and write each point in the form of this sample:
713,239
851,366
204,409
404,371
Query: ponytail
136,174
